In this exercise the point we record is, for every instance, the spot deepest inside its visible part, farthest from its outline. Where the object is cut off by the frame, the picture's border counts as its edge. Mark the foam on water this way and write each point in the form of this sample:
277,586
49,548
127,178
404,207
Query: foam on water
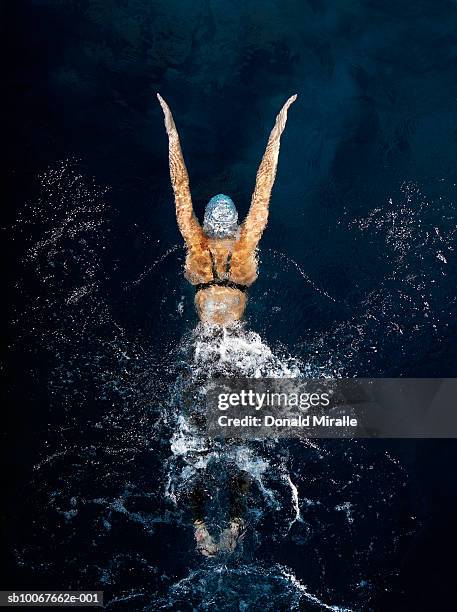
212,352
245,587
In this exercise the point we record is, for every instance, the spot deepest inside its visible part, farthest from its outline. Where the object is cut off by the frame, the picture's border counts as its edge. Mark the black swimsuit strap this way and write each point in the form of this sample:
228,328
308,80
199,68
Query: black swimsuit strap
213,265
228,263
221,282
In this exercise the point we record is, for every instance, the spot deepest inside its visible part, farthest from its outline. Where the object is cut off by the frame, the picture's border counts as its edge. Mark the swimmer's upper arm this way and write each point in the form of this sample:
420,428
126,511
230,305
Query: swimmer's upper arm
187,221
257,218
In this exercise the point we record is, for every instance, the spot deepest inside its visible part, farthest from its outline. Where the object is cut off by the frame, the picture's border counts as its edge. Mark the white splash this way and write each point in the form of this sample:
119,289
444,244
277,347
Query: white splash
309,596
295,501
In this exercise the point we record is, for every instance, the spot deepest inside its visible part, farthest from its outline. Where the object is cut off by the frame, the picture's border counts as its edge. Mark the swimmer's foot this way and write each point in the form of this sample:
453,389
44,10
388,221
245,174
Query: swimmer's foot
232,535
205,542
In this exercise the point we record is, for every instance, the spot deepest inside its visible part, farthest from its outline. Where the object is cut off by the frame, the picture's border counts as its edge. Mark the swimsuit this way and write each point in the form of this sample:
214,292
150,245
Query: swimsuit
221,282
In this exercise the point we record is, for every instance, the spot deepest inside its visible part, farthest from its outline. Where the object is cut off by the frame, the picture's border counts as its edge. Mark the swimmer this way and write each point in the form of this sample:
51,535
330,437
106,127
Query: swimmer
221,263
221,257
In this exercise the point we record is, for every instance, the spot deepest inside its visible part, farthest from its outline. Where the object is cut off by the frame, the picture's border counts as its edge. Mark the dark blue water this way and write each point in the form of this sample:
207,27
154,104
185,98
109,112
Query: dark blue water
357,278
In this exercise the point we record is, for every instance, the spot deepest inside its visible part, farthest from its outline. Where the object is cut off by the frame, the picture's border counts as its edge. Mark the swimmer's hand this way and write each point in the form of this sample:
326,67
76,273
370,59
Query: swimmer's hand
169,122
281,119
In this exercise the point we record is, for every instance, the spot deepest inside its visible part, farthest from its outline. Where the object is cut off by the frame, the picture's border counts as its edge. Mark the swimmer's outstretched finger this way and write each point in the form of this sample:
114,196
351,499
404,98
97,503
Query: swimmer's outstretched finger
281,119
169,122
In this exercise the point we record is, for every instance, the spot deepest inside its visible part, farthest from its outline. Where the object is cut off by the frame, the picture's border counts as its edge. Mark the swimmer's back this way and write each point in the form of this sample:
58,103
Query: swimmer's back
229,259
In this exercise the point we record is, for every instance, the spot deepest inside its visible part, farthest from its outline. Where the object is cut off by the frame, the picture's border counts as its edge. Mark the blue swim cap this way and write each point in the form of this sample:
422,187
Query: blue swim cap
221,217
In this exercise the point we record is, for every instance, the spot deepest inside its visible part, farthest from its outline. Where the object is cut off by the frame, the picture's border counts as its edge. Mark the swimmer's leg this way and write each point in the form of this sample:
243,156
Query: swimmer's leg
197,498
239,486
238,489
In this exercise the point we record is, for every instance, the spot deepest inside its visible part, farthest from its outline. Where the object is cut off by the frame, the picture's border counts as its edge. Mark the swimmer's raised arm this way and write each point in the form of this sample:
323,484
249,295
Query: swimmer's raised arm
257,218
187,221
